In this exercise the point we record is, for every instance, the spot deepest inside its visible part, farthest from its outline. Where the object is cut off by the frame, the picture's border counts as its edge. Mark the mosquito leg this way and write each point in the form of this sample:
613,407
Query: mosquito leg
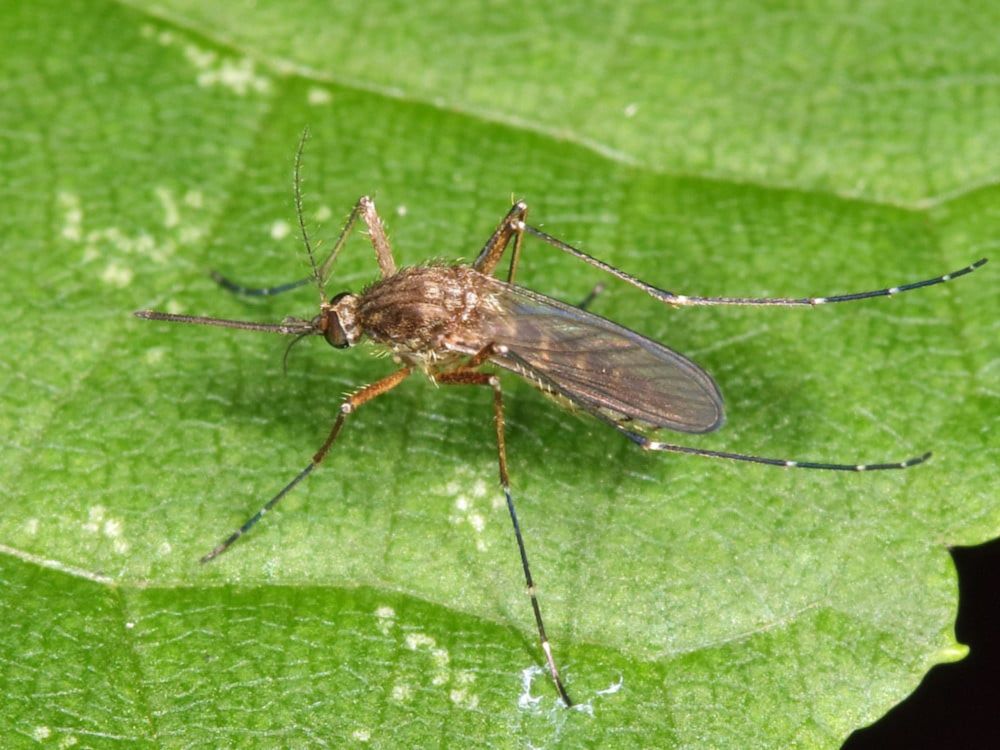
547,384
383,250
510,228
348,406
654,445
320,273
365,208
464,376
682,299
247,291
515,254
513,226
591,296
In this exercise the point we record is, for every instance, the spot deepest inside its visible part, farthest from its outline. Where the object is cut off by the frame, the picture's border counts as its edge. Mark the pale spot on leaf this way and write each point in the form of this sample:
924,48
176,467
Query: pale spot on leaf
117,275
280,229
318,96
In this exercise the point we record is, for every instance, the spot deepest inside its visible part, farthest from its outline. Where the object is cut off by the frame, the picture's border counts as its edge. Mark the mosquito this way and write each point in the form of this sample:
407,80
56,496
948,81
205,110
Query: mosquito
457,323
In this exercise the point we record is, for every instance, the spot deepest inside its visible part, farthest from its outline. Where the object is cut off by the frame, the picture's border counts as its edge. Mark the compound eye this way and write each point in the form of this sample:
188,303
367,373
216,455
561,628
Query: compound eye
334,334
334,325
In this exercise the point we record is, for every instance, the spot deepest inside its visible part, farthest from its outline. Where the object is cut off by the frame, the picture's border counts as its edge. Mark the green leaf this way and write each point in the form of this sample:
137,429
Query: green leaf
727,151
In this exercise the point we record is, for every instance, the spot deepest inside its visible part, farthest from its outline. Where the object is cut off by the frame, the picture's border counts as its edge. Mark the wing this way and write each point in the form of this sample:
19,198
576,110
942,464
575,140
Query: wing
600,365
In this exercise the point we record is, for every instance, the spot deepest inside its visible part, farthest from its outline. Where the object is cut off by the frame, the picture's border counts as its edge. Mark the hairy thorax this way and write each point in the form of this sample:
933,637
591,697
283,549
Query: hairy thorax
429,315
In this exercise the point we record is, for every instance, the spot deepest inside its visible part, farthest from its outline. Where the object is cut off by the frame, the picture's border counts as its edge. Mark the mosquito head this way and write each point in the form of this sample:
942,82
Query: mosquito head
337,321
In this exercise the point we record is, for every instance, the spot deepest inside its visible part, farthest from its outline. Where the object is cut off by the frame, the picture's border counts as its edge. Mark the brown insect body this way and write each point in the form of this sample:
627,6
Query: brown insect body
435,316
429,315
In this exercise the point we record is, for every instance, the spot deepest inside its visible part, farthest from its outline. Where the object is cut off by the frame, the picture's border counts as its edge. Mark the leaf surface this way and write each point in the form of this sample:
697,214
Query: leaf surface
689,602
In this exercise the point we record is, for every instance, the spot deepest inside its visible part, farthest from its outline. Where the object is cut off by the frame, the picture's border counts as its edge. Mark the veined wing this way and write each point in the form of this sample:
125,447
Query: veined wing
601,365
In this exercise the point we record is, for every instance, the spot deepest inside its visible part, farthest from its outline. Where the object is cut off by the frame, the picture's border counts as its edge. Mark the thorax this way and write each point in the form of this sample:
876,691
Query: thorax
429,314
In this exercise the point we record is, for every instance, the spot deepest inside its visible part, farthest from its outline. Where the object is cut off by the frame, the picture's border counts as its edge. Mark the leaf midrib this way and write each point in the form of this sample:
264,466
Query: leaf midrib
283,68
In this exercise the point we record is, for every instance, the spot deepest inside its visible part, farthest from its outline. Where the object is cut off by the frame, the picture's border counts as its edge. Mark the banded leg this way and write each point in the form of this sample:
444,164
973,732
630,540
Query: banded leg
671,298
591,296
365,209
512,227
348,406
465,376
654,445
548,384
